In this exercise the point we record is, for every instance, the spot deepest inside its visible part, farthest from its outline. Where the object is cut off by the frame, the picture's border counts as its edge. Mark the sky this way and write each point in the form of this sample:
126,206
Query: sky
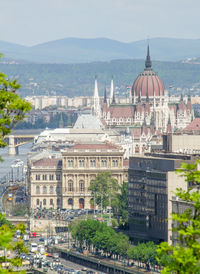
31,22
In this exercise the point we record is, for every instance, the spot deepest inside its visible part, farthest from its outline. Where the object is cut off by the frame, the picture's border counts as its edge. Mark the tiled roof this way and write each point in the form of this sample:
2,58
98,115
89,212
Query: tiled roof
136,132
94,146
121,111
194,125
48,162
181,106
139,108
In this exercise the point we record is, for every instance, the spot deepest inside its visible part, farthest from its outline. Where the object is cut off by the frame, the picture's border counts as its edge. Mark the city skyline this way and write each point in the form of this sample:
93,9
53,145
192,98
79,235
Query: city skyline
33,22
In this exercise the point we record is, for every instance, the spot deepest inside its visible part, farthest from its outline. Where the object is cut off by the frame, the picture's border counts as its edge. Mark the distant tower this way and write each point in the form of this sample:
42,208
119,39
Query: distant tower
113,98
111,91
96,105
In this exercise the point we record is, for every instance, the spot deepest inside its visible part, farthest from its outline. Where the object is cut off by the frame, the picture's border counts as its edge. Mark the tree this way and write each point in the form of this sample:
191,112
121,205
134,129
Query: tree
120,204
103,188
184,257
7,232
12,107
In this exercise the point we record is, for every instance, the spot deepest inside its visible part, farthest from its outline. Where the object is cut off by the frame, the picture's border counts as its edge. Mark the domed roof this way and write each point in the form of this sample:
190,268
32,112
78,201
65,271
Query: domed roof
148,83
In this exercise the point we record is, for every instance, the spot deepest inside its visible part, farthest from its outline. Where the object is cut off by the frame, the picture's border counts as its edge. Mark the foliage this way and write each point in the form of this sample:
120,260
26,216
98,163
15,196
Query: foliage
120,204
184,257
4,221
12,107
6,243
104,188
57,120
101,236
104,239
20,210
143,252
78,79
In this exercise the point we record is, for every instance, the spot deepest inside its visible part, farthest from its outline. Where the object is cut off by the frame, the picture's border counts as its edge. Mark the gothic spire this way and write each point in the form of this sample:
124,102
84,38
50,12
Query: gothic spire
113,98
105,96
111,90
169,121
148,60
96,100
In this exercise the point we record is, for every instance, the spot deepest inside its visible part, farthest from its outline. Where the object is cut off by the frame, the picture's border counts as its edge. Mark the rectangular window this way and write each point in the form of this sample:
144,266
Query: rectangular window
70,187
92,163
51,177
70,163
37,177
81,163
104,163
58,177
44,177
115,163
82,187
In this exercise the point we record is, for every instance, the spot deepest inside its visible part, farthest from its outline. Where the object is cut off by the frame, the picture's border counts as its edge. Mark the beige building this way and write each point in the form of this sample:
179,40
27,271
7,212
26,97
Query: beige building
81,164
44,183
64,182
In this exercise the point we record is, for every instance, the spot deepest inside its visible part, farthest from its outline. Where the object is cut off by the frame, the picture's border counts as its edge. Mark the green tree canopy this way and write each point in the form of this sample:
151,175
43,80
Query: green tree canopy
120,203
12,107
184,257
103,188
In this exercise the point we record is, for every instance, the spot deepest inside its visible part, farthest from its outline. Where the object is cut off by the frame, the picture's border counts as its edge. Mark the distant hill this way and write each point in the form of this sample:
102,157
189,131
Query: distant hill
78,79
76,50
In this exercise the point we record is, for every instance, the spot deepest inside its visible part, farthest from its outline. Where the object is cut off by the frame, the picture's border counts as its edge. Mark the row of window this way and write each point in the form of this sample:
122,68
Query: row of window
81,163
44,177
44,202
43,190
71,186
50,203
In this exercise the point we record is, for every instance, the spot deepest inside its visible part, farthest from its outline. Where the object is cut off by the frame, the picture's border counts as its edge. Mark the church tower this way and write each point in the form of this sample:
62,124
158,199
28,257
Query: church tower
111,91
96,101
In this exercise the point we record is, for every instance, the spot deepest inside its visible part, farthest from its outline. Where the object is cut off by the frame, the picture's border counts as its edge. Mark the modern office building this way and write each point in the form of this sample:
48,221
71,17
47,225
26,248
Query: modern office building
152,185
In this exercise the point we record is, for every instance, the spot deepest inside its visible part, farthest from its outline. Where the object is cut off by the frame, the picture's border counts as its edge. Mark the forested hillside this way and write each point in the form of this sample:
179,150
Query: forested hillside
78,79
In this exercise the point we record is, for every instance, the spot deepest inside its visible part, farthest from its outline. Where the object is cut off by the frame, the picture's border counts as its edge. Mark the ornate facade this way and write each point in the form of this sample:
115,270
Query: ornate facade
64,183
148,105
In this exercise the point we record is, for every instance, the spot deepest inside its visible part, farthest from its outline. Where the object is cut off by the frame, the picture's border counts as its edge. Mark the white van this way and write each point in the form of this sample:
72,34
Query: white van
34,247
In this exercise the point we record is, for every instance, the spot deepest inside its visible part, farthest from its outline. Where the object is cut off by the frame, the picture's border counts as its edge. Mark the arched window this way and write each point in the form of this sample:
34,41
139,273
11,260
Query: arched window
37,190
70,201
44,190
81,186
38,202
51,202
81,203
70,186
51,190
44,202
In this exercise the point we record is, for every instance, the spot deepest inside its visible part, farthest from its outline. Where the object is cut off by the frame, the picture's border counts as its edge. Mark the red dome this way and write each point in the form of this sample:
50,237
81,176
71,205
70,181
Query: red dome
148,82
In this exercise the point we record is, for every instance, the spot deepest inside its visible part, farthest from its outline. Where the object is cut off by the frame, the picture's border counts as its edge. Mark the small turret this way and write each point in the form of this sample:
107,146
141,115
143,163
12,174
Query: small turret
148,63
111,90
105,96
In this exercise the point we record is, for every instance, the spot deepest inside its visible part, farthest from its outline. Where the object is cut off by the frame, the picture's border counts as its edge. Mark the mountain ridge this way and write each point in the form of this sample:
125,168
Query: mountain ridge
81,50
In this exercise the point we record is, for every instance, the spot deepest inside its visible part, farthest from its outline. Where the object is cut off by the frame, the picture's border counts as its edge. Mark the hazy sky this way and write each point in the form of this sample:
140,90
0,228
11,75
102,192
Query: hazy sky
31,22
